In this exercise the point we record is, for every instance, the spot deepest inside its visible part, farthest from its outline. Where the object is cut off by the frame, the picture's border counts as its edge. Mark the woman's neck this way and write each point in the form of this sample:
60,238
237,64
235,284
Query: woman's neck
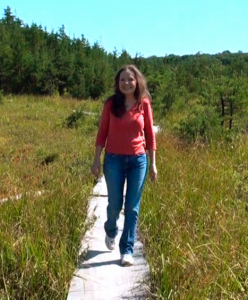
129,103
130,99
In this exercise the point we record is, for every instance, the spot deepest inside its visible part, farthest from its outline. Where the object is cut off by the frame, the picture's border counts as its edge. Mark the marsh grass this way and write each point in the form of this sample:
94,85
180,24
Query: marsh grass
40,234
194,221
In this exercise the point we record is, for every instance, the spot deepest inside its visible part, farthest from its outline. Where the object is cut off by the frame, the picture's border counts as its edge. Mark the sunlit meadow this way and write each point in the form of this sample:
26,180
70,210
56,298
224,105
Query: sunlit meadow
193,220
45,164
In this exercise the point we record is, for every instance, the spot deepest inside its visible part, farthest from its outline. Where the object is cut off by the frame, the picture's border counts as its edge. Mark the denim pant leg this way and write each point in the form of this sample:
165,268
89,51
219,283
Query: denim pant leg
136,173
114,173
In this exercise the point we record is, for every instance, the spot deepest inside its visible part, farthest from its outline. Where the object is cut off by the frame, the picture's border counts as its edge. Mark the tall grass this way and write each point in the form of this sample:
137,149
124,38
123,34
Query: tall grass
194,221
40,234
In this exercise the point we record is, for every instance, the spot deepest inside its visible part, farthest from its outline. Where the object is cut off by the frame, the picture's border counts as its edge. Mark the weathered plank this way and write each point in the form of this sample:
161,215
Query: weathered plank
100,276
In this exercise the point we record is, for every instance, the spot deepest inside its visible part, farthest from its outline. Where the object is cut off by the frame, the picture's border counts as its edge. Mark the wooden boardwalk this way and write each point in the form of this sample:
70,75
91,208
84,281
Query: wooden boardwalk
100,276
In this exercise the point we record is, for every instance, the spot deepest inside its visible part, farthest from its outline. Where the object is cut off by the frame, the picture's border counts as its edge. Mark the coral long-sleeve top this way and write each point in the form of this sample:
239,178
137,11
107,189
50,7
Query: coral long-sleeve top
131,134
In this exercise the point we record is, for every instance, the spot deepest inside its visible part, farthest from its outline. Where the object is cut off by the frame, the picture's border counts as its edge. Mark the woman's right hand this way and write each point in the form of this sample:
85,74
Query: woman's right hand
96,168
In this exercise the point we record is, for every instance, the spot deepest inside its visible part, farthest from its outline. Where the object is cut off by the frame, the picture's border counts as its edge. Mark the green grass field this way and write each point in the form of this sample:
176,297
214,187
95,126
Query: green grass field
193,220
40,235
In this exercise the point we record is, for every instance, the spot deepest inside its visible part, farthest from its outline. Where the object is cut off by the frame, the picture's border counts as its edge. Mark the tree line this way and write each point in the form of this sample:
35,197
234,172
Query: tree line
208,88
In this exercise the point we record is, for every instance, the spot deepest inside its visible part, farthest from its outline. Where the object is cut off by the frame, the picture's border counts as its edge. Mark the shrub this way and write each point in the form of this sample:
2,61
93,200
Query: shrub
73,120
201,122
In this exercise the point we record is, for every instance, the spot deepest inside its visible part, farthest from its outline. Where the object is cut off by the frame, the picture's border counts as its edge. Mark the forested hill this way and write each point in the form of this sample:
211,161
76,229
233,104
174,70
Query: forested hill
34,61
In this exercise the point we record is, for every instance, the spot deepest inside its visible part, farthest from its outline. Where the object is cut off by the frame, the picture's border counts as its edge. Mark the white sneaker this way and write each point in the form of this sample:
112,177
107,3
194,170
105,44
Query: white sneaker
110,243
126,260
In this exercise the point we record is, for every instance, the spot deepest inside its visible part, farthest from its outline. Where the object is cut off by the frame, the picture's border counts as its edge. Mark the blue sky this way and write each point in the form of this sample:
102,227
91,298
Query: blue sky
155,27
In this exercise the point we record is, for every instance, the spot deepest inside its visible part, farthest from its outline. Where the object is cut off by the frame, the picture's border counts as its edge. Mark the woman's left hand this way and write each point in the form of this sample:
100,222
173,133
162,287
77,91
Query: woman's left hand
153,172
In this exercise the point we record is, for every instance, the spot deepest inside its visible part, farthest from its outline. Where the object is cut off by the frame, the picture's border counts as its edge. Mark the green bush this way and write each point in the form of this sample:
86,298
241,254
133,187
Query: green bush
201,122
74,119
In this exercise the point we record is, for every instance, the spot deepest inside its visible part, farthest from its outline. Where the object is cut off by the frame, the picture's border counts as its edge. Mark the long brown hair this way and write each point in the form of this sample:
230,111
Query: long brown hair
141,91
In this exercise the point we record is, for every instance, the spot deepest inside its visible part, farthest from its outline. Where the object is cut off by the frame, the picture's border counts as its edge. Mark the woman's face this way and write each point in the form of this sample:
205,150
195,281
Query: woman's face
127,83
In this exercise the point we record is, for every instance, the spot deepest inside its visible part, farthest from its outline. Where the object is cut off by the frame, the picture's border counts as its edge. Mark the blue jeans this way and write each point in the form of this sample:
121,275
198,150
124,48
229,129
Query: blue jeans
116,169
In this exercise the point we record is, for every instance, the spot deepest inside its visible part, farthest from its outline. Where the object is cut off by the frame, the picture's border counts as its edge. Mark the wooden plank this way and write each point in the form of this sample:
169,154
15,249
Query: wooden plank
100,276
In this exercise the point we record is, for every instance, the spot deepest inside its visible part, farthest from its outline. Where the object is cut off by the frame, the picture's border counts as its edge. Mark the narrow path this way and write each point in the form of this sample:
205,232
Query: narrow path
100,276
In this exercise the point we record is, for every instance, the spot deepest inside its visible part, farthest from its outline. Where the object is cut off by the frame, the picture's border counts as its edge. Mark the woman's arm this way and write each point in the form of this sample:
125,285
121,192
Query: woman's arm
96,167
150,138
153,168
101,139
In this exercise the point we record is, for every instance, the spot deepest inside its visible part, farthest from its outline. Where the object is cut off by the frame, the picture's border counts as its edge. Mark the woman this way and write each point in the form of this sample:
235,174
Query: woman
126,132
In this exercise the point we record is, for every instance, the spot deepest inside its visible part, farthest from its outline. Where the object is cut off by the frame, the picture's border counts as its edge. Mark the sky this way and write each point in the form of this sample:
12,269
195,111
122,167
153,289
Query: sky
146,28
